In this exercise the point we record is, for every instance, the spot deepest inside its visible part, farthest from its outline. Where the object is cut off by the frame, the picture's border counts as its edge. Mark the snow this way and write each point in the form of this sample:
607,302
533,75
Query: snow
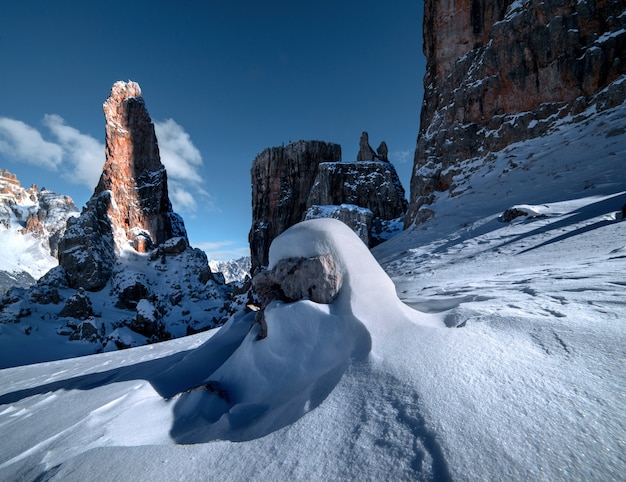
483,351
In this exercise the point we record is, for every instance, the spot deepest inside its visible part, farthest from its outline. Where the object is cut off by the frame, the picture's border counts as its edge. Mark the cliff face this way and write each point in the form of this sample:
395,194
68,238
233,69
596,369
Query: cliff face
374,185
503,71
282,178
130,206
133,171
307,180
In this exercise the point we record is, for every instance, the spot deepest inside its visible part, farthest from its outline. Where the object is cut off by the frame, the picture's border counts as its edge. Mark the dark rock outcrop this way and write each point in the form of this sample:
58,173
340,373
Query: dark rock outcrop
78,306
502,72
130,207
307,179
359,220
366,153
374,185
282,178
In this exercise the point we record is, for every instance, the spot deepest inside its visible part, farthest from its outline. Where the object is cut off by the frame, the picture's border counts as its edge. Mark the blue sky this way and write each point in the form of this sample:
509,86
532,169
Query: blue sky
222,80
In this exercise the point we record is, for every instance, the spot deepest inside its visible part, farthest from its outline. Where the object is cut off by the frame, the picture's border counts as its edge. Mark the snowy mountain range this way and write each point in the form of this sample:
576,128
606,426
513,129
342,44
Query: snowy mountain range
473,346
233,269
32,221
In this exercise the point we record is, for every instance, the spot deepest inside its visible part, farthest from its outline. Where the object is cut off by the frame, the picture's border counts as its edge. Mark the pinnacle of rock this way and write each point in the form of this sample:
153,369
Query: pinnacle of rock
130,207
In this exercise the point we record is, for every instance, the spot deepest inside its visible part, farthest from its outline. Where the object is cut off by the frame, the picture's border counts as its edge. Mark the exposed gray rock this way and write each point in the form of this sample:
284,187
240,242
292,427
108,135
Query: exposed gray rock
85,330
512,213
87,251
317,279
359,219
281,181
366,153
371,185
382,153
78,306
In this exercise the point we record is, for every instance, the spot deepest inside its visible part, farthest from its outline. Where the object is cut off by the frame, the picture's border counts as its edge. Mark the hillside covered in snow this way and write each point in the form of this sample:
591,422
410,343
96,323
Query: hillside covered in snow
487,347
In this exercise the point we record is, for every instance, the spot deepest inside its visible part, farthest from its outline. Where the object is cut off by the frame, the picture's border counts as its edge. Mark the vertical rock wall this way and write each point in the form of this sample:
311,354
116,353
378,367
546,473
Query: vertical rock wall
502,71
282,178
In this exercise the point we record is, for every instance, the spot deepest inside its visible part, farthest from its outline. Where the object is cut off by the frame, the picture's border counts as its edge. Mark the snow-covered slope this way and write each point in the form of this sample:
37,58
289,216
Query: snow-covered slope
509,367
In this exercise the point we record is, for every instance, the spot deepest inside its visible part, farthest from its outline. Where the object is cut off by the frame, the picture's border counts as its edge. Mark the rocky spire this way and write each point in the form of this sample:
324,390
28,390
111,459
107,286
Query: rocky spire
366,153
133,171
130,206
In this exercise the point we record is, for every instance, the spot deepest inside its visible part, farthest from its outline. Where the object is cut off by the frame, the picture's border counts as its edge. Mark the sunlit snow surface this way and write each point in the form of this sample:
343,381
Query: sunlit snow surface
510,366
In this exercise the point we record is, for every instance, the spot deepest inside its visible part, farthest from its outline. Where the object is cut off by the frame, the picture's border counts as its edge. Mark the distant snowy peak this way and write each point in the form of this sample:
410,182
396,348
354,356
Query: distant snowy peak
233,269
32,222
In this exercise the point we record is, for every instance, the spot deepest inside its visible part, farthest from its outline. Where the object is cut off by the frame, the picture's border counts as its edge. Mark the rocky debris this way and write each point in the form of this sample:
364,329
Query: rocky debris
360,220
130,207
366,153
511,214
317,279
78,306
502,72
282,178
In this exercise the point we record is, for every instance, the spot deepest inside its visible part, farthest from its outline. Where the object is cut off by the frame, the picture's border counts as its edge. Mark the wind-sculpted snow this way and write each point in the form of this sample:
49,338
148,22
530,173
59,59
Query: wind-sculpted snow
238,387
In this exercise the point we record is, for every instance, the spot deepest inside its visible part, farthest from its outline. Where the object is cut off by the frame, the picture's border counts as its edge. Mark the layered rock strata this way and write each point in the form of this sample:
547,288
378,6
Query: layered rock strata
502,72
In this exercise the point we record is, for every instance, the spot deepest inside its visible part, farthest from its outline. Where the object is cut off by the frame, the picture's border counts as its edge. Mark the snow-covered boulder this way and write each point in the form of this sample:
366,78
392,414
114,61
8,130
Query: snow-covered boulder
265,384
292,279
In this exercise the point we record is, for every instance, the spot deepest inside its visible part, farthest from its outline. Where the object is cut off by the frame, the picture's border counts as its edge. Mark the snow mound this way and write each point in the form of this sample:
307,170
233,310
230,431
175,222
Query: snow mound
238,387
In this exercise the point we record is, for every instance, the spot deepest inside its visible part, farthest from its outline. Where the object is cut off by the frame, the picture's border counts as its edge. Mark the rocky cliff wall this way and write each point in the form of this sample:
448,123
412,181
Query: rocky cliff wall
503,71
282,178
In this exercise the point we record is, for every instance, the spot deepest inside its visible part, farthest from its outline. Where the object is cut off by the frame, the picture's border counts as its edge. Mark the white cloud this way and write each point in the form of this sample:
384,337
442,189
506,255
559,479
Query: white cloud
183,163
402,157
178,154
80,157
85,153
23,143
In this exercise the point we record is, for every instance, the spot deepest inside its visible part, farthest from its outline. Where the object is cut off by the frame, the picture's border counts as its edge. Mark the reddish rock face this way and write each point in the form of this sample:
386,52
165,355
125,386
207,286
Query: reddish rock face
133,171
501,71
130,207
